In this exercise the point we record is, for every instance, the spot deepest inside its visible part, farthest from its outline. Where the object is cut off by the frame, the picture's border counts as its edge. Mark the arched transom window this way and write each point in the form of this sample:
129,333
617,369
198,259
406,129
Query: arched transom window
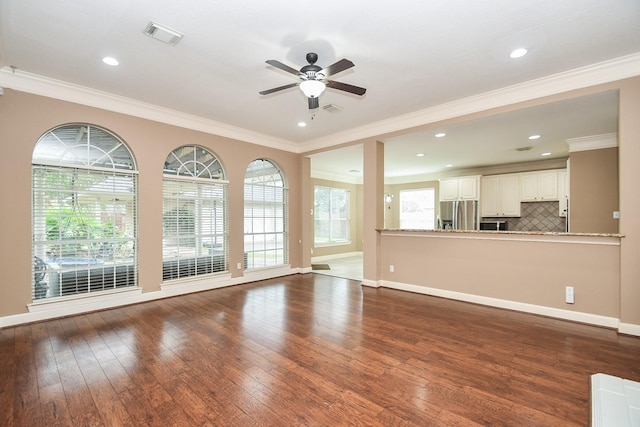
265,216
83,212
194,214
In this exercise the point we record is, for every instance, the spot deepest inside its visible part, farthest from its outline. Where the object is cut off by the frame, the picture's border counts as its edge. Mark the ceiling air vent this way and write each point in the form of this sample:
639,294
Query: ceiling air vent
164,34
331,108
524,148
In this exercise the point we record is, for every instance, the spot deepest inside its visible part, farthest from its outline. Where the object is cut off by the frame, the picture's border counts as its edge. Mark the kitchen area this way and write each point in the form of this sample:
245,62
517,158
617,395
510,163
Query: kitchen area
547,168
530,201
552,168
574,194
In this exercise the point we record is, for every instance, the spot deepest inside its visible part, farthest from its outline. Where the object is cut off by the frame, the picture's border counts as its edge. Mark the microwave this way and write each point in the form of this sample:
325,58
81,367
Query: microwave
493,225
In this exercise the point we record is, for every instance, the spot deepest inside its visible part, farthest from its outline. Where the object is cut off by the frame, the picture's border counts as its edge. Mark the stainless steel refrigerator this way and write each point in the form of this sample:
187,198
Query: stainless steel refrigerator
458,215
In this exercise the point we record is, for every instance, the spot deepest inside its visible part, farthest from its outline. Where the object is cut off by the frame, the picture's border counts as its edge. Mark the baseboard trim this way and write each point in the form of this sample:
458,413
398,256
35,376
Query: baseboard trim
592,319
629,329
371,283
46,310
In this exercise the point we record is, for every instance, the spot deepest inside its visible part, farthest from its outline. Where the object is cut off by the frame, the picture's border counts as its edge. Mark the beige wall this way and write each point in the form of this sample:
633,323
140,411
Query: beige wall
594,191
531,271
629,158
373,179
24,118
355,230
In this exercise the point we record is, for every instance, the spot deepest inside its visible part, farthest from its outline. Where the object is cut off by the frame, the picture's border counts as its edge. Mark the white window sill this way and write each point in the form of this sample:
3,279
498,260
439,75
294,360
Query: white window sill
70,301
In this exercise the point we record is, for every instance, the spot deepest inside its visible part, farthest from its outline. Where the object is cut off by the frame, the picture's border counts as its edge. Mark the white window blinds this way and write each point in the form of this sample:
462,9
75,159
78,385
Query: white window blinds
194,215
83,213
265,216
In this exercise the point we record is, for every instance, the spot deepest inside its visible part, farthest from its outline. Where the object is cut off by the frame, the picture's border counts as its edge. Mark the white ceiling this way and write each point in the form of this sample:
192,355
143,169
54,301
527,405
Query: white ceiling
411,55
502,139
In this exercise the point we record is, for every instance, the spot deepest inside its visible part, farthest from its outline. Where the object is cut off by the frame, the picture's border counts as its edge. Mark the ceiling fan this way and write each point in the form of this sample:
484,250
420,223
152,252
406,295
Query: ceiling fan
314,79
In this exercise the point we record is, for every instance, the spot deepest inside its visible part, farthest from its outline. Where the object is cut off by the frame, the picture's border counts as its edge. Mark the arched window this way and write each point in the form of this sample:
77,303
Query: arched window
194,214
265,216
83,212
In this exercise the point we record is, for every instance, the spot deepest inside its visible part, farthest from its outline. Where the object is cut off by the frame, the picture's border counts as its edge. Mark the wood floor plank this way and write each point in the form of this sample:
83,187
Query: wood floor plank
27,409
7,381
308,350
112,410
54,406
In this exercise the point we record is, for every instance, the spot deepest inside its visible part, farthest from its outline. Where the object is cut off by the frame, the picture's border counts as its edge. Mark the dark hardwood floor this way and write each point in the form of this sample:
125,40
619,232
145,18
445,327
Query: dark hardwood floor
306,350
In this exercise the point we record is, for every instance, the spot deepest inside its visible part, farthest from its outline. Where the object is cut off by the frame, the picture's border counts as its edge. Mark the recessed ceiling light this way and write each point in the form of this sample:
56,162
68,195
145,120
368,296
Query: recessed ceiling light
449,166
420,155
440,135
518,53
545,154
302,124
110,61
534,137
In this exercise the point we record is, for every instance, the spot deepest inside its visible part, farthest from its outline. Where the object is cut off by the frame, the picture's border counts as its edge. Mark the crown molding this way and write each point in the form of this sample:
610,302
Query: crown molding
579,78
44,86
593,142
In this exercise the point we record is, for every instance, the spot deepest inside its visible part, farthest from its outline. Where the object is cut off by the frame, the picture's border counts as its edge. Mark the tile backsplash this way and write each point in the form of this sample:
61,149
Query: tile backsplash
536,216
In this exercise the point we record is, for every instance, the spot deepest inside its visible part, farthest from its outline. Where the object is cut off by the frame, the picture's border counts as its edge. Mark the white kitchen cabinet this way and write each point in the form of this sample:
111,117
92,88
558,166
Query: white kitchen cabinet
563,193
449,189
489,196
548,185
462,188
539,186
468,188
500,196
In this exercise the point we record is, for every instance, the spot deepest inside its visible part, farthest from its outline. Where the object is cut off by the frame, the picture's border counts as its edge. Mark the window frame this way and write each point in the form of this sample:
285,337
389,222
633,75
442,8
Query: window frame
330,222
83,214
403,224
195,232
265,218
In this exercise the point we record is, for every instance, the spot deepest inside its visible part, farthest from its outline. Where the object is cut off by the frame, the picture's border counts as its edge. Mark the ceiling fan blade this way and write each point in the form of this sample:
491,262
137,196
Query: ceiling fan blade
283,67
346,87
276,89
343,64
313,103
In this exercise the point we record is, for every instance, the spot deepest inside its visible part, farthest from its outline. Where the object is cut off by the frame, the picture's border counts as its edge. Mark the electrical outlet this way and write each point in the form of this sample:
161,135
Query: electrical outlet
391,268
616,214
239,266
569,296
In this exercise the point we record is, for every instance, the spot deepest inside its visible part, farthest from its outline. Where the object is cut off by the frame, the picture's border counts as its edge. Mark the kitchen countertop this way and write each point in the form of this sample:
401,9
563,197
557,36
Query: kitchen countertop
515,233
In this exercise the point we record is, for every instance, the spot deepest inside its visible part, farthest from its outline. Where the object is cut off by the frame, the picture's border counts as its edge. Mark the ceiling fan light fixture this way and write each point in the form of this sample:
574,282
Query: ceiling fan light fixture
312,88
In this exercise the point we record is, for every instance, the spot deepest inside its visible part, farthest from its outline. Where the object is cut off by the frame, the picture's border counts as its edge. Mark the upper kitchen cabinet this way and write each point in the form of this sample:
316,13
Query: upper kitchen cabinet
462,188
563,193
539,186
500,196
